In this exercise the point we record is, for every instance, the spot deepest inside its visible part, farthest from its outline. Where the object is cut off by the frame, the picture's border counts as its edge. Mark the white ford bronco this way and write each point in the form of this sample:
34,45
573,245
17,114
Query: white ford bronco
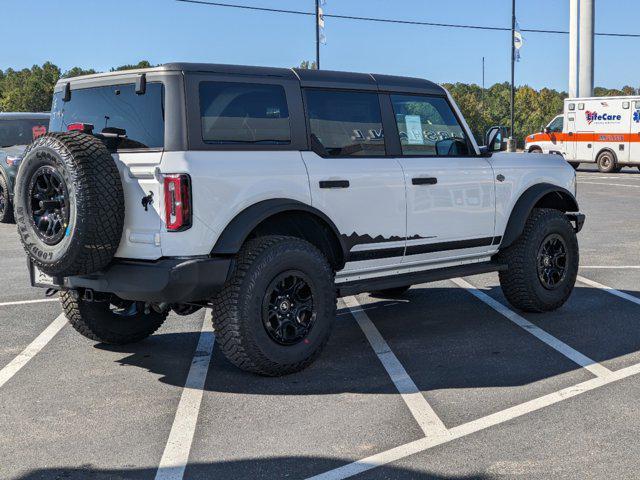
266,193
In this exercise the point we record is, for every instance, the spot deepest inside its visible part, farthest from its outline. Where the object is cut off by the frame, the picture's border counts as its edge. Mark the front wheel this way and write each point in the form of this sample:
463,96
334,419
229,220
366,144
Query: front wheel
6,208
109,319
575,165
274,315
542,265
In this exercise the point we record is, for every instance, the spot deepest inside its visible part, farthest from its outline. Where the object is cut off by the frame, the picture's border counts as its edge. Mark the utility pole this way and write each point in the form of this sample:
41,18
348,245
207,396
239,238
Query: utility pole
513,73
318,34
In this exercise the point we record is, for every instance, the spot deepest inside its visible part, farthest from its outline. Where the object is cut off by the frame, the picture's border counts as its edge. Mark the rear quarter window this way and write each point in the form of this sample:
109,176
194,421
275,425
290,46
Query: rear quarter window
137,119
244,113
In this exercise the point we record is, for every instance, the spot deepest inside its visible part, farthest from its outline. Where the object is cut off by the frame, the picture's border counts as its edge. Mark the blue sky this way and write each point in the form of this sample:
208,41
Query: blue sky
101,34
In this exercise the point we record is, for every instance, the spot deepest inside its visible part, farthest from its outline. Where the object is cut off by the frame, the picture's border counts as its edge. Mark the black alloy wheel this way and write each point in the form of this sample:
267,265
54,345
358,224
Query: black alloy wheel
288,312
552,261
48,204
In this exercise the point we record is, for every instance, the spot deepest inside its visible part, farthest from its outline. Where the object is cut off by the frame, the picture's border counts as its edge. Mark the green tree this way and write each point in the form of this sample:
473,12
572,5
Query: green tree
140,64
307,65
77,71
29,89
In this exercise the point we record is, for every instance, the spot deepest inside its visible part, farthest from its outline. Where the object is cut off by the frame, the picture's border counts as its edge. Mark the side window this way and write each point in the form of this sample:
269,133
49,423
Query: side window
244,113
345,123
556,124
428,127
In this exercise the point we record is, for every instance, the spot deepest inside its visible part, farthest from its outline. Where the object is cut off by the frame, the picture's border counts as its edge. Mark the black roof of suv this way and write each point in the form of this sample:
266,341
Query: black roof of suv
307,78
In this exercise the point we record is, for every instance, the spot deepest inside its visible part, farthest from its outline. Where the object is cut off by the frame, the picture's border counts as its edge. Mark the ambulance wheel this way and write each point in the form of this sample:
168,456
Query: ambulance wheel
575,165
606,162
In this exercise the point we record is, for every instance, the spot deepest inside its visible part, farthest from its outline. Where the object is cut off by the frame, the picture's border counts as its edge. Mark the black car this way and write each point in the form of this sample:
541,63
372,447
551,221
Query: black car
17,130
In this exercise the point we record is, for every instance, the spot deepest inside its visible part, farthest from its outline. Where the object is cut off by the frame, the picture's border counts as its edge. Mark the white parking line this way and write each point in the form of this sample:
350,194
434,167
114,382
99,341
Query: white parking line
26,302
558,345
176,453
610,290
32,349
609,184
428,420
483,423
612,267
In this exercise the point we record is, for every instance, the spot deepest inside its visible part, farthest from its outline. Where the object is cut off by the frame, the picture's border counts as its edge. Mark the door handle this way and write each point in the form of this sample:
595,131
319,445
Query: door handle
334,183
424,180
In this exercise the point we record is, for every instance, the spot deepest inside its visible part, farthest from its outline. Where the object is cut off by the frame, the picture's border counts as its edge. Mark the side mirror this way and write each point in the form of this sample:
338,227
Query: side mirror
494,140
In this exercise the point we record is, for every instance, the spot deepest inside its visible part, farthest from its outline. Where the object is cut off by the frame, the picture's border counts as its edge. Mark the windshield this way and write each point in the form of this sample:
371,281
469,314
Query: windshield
21,131
133,121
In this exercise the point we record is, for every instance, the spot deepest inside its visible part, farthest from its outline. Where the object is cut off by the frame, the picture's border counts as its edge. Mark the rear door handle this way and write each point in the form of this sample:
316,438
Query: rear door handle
334,183
424,180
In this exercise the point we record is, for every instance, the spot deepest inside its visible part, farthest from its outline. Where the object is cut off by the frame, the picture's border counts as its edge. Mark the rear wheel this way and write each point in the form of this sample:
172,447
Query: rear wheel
575,165
275,314
542,263
606,162
535,150
6,208
109,319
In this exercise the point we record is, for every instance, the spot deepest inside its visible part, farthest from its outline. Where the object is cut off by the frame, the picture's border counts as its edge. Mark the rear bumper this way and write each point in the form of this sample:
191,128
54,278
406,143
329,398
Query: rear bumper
168,280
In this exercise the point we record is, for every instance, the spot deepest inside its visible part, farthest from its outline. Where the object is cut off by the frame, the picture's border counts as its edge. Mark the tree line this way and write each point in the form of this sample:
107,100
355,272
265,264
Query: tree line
31,89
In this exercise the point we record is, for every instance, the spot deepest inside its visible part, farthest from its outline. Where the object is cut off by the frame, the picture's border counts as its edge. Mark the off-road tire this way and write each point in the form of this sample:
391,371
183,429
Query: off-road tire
95,203
575,165
238,308
520,282
607,162
96,321
391,292
6,207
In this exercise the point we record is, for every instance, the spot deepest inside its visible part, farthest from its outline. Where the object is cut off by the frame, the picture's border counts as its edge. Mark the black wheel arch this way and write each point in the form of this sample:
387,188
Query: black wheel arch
541,195
533,148
283,216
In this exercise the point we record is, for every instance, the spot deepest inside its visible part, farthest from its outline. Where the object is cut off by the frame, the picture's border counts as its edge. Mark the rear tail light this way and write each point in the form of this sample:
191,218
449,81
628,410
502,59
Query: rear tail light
80,127
177,202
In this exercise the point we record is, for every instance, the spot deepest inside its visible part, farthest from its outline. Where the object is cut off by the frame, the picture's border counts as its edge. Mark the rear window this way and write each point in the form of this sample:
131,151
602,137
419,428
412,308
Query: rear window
115,110
244,113
21,131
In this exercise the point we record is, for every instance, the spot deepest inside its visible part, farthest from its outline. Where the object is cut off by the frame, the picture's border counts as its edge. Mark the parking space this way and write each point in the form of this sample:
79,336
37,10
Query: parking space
446,382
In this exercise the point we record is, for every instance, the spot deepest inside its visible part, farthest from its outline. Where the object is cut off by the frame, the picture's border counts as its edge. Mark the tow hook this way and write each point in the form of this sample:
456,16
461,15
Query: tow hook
146,201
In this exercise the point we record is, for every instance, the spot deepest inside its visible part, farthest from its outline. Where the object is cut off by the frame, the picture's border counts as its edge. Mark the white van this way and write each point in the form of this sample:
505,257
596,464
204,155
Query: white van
604,130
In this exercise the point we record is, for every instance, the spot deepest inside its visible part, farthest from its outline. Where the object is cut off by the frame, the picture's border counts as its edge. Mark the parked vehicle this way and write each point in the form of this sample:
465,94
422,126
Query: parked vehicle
265,193
601,130
17,130
548,140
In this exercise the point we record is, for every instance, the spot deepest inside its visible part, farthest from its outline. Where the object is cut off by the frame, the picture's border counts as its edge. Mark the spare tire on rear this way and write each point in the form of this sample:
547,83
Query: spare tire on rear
69,204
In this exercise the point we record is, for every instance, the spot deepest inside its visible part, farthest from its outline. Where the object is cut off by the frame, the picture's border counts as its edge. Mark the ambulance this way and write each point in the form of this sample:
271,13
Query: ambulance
601,130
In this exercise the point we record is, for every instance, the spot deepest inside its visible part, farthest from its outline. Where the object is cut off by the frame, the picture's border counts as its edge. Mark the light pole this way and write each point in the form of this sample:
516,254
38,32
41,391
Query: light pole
512,146
318,34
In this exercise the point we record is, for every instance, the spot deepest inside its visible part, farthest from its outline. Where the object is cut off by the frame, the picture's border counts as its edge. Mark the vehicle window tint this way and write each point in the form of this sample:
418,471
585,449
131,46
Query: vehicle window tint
345,123
21,131
556,124
116,112
238,113
427,126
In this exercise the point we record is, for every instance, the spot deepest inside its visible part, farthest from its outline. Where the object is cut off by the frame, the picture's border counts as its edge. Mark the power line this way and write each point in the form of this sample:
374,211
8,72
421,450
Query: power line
396,21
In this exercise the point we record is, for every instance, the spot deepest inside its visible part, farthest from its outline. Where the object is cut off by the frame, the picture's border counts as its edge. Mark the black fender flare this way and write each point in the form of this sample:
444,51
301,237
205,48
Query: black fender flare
237,230
566,201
